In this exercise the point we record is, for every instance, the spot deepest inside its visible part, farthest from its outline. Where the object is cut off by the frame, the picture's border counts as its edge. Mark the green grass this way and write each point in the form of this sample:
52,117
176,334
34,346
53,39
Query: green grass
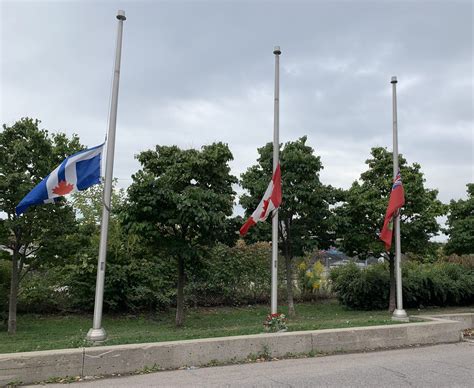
57,332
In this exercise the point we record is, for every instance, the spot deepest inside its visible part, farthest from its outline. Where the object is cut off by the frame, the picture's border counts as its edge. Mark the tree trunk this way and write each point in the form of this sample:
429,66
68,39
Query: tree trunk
289,287
392,304
12,303
180,293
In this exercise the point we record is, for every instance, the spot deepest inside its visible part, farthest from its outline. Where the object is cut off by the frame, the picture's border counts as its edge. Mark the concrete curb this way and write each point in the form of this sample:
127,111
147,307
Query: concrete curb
31,367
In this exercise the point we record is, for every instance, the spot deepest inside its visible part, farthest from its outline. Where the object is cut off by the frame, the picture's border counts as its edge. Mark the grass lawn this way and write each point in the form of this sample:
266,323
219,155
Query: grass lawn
36,332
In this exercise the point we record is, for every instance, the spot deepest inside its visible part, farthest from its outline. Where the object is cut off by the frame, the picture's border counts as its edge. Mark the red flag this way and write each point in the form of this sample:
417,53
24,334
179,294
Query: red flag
396,201
271,200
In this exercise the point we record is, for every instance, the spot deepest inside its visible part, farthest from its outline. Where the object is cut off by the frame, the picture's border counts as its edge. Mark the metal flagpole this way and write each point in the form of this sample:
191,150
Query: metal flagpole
276,151
97,332
399,313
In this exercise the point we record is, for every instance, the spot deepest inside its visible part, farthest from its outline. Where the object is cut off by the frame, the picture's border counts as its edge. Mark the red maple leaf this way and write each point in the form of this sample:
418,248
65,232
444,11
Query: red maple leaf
265,207
63,188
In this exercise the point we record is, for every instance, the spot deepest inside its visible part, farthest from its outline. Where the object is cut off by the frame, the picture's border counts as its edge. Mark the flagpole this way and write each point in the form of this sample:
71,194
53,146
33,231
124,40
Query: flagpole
399,313
97,332
276,151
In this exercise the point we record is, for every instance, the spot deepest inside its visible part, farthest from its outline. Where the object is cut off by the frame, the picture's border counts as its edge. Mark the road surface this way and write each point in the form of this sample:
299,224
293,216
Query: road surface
433,366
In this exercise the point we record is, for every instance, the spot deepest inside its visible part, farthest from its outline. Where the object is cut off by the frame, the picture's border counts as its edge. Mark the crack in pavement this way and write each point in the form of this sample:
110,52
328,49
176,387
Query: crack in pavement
403,376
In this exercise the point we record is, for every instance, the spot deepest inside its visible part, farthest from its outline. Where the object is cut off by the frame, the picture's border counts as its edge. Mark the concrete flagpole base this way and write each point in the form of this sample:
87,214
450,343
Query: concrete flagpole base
400,315
96,335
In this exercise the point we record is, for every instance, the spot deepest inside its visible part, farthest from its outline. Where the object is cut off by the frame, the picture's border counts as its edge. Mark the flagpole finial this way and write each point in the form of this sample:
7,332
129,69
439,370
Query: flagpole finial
394,80
277,50
121,15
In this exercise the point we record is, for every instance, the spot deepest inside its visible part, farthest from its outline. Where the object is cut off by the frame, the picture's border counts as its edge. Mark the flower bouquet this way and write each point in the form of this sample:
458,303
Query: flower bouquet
275,323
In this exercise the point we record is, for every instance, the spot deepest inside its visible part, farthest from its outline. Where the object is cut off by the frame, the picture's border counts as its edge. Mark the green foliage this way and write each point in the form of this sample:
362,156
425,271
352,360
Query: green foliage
42,234
135,279
5,276
179,202
43,292
305,221
231,275
361,213
461,224
131,284
362,289
5,269
439,284
304,211
181,197
27,155
466,261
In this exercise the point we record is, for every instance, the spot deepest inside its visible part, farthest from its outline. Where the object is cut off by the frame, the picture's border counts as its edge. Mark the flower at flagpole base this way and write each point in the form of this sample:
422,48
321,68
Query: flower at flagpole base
275,323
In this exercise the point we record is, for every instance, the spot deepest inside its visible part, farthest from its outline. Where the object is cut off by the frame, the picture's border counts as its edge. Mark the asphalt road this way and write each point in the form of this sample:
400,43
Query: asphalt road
434,366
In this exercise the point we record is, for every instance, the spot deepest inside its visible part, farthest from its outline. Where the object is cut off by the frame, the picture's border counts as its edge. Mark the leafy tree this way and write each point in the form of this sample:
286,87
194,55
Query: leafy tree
135,277
80,273
27,155
179,201
304,215
361,214
461,224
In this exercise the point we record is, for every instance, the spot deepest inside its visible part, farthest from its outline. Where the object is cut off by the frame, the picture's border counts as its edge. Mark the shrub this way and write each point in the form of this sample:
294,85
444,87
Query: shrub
466,261
138,284
5,272
222,275
231,275
366,289
439,284
42,291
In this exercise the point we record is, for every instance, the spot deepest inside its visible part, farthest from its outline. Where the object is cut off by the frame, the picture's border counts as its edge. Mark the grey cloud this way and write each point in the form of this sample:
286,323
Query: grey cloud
196,72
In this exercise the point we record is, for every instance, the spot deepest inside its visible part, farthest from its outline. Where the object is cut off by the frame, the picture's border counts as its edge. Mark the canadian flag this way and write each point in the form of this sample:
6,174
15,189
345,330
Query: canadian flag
271,200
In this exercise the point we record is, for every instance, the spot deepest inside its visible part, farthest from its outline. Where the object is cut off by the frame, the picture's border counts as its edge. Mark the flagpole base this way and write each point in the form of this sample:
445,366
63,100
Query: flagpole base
400,315
96,335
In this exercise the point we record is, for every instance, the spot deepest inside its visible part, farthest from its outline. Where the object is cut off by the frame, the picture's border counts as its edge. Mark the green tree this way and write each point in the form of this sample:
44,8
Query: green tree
304,215
179,201
126,255
27,155
361,214
461,224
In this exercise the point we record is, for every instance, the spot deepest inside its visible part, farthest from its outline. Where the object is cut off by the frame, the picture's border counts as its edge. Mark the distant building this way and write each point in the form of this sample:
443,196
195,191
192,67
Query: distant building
332,258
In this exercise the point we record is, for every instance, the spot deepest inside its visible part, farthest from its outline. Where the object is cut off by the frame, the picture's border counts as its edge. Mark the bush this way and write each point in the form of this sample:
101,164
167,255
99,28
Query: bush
366,289
138,284
42,291
464,260
439,284
231,275
143,281
5,275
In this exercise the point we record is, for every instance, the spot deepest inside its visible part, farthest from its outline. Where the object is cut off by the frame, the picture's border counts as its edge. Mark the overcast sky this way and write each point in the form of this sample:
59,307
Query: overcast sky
195,72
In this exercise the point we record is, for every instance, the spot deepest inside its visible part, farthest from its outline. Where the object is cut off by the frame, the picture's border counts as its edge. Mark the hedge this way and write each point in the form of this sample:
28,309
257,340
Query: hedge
439,284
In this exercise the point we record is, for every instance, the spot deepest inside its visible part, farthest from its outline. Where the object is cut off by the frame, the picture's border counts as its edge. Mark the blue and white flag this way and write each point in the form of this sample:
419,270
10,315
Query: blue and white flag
76,173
